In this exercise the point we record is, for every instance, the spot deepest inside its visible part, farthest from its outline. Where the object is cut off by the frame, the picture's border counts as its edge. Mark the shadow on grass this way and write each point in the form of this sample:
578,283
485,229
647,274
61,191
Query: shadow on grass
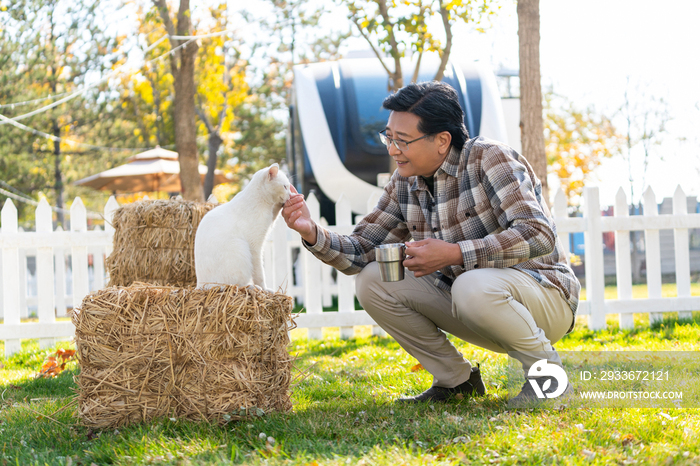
33,388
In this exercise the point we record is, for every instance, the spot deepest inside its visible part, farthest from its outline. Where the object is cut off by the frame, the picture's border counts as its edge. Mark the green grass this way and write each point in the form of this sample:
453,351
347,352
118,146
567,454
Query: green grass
343,414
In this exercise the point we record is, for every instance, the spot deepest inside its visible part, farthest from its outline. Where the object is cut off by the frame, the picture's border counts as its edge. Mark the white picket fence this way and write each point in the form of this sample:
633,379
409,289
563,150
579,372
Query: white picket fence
311,282
49,247
592,224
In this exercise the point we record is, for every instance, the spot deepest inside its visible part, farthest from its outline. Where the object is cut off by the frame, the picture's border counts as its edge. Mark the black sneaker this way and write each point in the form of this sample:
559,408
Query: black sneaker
527,398
472,387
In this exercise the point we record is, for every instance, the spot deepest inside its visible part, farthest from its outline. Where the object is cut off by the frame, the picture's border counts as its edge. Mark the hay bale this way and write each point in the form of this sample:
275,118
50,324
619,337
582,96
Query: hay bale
148,351
154,242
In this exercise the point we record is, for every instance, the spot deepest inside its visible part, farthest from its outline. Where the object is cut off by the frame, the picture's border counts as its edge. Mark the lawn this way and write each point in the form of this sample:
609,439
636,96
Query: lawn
343,414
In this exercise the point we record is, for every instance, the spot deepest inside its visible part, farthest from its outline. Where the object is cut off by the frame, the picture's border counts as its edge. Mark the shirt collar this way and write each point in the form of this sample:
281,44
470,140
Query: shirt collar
418,184
451,163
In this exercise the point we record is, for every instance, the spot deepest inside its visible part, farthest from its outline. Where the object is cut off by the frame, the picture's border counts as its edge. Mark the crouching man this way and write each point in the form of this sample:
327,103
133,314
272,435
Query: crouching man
484,263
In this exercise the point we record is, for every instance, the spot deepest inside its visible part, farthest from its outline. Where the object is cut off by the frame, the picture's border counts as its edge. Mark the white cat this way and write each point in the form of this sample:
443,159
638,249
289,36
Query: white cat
230,238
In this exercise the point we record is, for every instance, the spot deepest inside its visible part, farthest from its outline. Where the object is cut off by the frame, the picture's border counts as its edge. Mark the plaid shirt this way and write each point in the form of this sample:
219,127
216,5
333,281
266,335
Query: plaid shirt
488,200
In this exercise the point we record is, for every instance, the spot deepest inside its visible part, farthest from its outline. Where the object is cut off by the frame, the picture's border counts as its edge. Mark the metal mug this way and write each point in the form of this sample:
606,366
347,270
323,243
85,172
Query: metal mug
390,259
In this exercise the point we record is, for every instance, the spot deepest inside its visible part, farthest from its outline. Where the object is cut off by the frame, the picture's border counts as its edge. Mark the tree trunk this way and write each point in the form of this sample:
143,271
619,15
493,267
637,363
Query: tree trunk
58,186
444,14
182,67
531,120
395,78
185,127
185,123
214,144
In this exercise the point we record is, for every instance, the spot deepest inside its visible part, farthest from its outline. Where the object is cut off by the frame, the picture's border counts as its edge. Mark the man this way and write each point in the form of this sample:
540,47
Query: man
485,263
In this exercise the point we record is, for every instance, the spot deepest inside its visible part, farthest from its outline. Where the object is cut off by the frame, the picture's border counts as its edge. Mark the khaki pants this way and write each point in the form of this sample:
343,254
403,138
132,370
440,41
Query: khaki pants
503,310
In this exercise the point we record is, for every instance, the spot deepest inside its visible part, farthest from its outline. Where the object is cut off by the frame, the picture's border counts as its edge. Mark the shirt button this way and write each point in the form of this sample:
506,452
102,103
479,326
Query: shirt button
435,229
476,266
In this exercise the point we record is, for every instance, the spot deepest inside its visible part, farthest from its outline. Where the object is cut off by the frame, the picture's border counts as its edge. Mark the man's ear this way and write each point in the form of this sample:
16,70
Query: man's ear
272,172
444,140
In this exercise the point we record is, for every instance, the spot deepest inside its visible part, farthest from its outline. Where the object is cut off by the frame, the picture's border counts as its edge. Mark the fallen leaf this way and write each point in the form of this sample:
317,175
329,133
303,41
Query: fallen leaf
51,367
417,367
627,440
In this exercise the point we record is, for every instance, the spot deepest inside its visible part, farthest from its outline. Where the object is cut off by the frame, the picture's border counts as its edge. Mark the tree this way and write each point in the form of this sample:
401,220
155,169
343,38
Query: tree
221,89
54,48
393,29
531,123
182,66
576,142
147,95
220,79
291,34
645,117
296,25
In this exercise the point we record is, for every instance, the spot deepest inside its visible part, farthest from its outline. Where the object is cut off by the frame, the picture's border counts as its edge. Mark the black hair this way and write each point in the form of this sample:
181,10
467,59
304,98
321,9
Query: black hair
436,104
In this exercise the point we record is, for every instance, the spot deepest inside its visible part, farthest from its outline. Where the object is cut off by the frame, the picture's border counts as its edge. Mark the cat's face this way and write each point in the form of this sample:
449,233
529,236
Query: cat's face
277,185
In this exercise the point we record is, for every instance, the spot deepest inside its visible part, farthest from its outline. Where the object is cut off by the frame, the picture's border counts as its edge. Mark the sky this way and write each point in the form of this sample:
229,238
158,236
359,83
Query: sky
589,51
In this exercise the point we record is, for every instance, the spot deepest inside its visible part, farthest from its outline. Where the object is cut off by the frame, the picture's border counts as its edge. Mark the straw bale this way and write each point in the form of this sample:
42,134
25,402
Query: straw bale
154,242
148,351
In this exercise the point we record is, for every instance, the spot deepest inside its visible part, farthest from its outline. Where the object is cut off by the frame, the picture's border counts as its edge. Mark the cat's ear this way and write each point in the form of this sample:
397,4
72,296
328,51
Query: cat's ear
272,172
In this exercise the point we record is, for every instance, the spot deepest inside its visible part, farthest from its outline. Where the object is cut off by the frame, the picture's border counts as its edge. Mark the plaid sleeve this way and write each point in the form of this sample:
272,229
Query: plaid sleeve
351,253
526,232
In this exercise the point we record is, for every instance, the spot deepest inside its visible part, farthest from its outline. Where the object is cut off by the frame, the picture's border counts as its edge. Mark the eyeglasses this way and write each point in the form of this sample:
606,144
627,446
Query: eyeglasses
398,143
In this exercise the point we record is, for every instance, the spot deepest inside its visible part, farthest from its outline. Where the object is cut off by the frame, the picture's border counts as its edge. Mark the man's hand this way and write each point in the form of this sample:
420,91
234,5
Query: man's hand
297,216
426,256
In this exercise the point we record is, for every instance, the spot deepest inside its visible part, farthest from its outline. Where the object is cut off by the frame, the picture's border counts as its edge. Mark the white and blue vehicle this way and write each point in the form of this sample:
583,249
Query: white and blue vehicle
336,112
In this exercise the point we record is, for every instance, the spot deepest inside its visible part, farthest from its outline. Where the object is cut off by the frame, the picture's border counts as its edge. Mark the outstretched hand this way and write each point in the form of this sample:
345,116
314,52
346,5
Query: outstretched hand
297,217
429,255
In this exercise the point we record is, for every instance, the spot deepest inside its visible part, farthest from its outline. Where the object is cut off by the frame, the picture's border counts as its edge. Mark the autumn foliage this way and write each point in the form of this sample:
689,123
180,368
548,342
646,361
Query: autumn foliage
576,142
55,364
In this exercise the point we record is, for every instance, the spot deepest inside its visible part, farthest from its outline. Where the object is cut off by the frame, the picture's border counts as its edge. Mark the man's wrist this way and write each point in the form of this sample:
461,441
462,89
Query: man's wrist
456,255
312,237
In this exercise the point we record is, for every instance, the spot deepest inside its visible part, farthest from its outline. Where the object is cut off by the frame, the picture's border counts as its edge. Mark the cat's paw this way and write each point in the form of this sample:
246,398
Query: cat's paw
260,288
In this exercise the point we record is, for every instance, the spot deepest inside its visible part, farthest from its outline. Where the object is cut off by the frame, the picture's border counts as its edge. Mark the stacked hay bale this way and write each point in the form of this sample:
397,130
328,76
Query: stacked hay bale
211,355
154,242
149,350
